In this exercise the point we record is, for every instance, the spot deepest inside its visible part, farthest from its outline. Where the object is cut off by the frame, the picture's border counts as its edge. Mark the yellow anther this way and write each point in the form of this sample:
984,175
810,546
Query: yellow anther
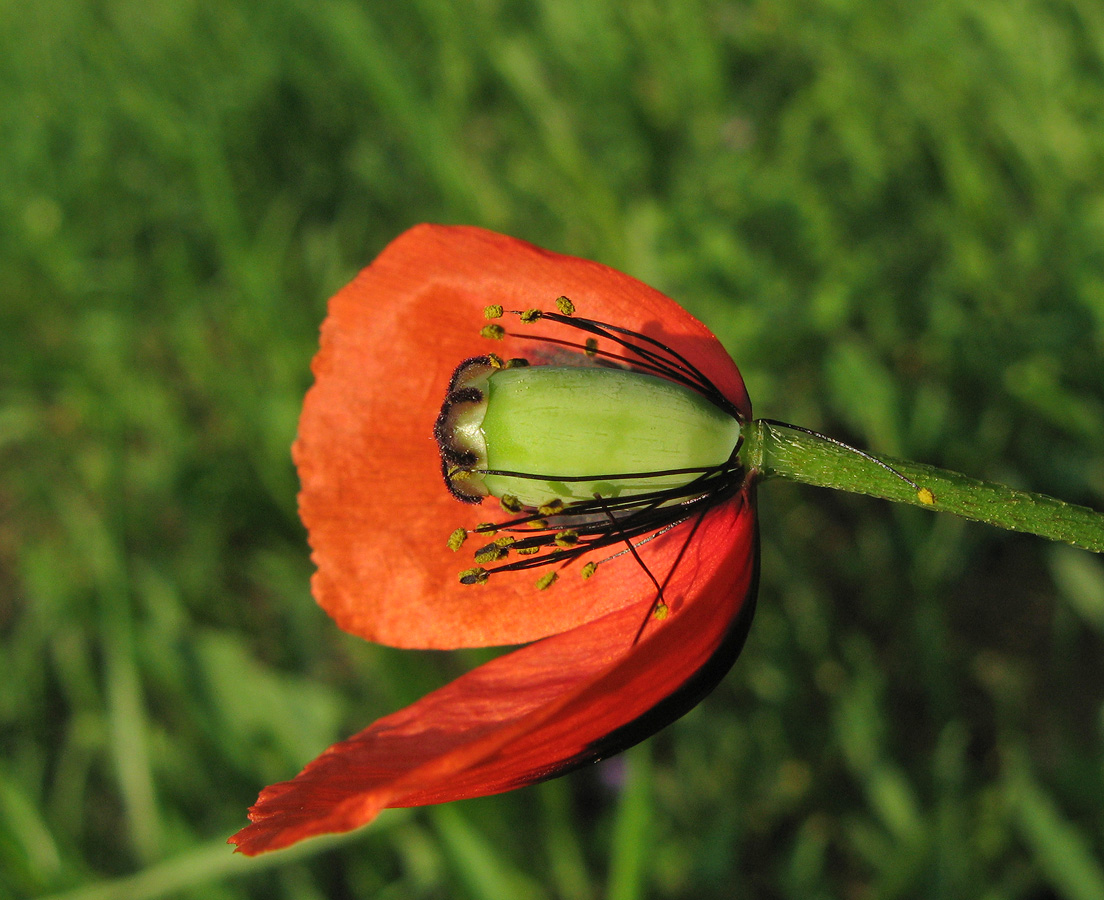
566,538
494,332
478,575
551,508
546,581
489,554
457,538
529,316
661,612
926,497
494,311
591,346
565,306
589,569
510,503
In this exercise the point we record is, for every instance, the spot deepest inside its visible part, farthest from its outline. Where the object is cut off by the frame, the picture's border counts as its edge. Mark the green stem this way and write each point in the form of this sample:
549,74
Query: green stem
779,452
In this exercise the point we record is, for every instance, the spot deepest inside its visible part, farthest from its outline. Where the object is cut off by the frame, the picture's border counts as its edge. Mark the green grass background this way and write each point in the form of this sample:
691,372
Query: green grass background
892,213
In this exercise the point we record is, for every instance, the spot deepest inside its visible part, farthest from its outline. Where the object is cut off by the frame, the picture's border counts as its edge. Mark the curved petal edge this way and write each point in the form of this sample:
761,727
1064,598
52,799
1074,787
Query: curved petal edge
539,711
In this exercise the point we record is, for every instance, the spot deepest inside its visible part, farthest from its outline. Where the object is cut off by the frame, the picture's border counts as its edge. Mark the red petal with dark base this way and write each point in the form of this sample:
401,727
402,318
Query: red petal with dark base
372,497
538,711
378,516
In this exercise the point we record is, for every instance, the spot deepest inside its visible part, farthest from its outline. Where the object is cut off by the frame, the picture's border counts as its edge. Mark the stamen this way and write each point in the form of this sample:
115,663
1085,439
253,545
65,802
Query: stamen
488,413
566,538
570,479
456,539
546,581
647,354
601,523
491,553
660,609
477,575
640,562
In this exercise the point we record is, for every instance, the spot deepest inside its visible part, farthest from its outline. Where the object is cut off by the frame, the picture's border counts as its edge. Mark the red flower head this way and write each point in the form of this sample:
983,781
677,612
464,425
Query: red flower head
615,657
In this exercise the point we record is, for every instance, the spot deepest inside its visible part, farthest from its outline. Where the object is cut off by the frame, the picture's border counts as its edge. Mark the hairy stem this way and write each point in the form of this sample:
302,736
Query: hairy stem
774,451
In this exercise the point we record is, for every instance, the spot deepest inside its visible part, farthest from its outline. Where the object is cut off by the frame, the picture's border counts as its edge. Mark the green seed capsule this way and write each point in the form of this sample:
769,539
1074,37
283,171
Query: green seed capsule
584,430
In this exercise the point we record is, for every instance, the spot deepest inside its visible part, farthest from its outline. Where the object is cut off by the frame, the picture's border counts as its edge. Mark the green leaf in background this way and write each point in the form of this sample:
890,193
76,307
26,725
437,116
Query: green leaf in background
891,214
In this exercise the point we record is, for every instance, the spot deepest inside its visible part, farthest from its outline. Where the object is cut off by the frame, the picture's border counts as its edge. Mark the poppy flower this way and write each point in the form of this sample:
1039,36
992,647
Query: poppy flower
608,659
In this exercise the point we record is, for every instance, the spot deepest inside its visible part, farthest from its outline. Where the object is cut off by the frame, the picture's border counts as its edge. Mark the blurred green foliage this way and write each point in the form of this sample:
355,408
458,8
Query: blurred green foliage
893,215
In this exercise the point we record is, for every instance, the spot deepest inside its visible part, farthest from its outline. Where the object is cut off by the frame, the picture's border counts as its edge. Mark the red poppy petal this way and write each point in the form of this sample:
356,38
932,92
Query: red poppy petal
538,711
372,496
